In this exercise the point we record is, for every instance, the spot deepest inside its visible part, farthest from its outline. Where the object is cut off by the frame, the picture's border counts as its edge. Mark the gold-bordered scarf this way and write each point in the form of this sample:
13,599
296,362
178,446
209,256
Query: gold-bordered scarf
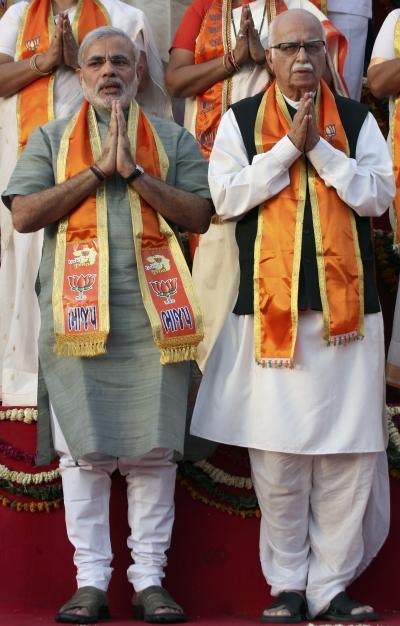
35,105
214,40
81,281
395,146
278,243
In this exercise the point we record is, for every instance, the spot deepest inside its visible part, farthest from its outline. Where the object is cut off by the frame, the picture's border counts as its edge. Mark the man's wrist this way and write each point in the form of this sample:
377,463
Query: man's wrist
135,172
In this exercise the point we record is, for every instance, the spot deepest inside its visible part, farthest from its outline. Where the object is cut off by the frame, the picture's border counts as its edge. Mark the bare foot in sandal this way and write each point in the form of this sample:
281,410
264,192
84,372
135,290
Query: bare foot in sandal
155,605
88,605
289,607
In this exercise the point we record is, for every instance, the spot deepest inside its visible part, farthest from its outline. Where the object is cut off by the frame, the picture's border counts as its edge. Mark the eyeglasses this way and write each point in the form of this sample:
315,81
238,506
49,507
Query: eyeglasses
290,48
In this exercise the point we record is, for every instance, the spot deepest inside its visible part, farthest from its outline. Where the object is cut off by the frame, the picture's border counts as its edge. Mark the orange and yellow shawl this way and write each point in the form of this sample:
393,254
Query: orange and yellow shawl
279,238
35,101
214,40
395,145
81,279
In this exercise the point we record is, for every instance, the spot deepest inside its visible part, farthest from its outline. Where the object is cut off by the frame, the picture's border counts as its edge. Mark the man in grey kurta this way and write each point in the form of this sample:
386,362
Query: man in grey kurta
122,409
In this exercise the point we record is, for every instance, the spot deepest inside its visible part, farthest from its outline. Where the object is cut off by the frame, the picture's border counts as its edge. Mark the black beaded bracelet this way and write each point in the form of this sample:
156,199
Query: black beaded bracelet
97,173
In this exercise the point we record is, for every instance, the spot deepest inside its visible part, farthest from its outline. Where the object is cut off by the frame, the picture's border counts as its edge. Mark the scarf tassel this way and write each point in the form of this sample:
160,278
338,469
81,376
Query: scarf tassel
343,340
91,345
176,354
277,363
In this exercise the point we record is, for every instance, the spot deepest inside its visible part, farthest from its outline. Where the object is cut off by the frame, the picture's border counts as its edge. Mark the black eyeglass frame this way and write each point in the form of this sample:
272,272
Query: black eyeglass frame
297,45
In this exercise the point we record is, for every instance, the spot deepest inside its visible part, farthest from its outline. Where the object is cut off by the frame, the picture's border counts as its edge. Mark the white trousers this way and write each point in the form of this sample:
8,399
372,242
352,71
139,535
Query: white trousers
311,534
355,29
150,491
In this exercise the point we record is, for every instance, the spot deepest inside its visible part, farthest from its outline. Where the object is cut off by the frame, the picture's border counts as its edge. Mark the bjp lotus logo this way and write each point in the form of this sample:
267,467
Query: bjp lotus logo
32,44
81,283
165,289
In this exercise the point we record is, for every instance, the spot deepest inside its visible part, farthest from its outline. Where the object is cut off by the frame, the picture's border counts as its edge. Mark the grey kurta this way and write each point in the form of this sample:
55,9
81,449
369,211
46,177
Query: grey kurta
123,403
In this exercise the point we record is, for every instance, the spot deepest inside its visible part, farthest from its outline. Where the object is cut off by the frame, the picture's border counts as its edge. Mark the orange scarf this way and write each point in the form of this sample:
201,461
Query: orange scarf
279,240
214,40
80,289
35,101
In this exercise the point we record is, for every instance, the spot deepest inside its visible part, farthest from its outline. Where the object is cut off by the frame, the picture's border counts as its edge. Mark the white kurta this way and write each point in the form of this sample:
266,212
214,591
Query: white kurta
20,254
384,50
333,400
351,18
325,508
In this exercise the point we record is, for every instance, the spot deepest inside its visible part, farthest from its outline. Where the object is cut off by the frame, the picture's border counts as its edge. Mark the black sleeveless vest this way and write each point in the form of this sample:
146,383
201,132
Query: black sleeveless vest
352,115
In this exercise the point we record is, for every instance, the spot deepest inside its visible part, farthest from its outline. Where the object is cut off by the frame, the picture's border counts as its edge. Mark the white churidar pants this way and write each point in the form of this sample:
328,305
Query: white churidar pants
311,534
150,491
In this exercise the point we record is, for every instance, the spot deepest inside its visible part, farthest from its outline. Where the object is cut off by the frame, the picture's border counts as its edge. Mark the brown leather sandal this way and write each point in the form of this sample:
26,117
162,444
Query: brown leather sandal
90,598
146,602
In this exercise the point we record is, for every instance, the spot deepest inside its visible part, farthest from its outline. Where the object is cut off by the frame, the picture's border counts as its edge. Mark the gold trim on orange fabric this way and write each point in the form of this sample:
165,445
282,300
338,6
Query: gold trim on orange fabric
395,145
276,270
81,280
35,102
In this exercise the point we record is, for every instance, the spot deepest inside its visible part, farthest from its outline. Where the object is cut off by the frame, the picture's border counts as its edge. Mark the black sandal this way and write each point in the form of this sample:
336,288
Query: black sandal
90,598
296,605
340,607
146,602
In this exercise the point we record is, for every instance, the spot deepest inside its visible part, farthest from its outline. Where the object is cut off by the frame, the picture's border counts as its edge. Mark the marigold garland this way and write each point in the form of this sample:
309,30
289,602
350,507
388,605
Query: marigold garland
27,415
24,478
16,454
237,501
220,476
47,492
31,507
231,510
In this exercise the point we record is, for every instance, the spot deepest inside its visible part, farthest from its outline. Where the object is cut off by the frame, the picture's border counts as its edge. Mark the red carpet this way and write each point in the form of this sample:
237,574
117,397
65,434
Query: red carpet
213,567
45,618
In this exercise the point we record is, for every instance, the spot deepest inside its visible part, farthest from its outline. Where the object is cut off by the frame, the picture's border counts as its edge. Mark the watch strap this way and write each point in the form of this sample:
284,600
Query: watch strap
138,171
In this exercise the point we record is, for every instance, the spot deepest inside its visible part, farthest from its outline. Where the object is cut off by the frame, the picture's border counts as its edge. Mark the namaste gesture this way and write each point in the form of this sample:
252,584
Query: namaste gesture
248,44
62,49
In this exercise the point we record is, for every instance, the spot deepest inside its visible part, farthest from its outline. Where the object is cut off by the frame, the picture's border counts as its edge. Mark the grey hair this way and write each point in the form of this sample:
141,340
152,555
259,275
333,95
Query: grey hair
281,15
102,33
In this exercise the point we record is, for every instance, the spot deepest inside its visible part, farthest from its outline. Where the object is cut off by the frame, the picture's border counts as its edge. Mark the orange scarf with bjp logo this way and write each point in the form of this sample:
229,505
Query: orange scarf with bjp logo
279,239
35,101
81,279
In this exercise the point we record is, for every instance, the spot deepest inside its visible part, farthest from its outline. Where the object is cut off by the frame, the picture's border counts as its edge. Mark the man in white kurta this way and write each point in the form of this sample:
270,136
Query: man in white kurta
315,433
20,254
384,80
351,18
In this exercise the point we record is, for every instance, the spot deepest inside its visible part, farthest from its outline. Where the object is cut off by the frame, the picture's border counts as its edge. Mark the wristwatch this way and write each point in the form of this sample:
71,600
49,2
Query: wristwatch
138,171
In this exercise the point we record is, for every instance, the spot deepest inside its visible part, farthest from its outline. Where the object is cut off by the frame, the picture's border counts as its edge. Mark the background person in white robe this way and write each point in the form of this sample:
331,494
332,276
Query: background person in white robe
351,18
20,254
384,80
316,434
